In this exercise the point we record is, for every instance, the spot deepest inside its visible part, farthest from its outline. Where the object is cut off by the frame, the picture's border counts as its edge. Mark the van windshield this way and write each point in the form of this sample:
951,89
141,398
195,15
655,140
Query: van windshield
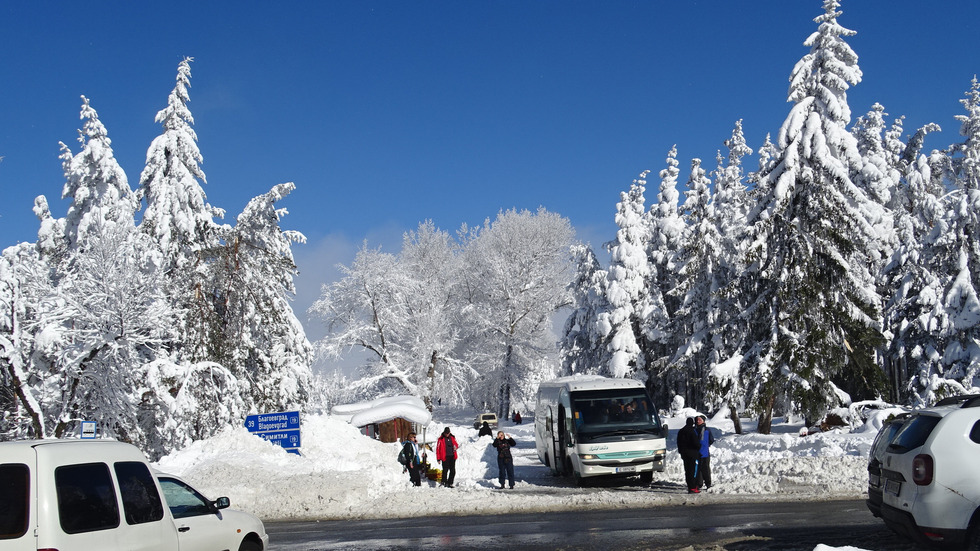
615,412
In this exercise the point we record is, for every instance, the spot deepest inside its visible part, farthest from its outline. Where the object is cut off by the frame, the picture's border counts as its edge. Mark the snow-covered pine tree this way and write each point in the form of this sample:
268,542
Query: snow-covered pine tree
916,204
697,262
181,223
626,289
814,312
95,184
729,208
666,231
262,342
955,257
582,346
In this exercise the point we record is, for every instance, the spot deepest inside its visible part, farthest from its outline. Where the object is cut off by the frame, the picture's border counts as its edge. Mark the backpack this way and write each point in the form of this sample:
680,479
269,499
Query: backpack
402,458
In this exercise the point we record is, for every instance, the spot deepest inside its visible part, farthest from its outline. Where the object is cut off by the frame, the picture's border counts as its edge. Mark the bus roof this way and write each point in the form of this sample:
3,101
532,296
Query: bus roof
591,382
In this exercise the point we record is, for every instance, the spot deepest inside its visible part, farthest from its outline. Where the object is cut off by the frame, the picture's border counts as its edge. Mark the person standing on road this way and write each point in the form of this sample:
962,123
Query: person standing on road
505,461
689,447
706,439
414,464
446,453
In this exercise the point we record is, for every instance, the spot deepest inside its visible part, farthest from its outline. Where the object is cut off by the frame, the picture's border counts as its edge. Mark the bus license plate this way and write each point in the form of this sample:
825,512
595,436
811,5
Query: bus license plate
893,487
626,469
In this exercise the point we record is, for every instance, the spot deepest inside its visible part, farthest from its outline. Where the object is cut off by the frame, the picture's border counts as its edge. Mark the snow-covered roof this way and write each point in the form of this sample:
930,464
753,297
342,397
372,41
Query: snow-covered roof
384,409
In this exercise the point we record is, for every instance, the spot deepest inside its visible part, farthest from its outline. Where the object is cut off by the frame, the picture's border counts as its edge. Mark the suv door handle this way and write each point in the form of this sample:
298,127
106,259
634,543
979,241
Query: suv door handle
183,528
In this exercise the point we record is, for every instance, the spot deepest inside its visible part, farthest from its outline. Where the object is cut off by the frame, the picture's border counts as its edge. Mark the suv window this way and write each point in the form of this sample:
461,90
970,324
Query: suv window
975,432
141,501
14,491
183,500
884,438
86,498
914,433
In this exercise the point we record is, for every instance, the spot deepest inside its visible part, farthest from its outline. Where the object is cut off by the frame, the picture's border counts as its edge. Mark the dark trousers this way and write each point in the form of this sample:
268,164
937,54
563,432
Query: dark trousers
506,468
704,471
691,472
448,472
415,474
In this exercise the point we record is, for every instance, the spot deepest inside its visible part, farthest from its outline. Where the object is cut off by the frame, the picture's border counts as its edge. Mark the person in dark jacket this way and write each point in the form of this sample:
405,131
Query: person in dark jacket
485,430
446,453
505,461
705,439
414,464
689,447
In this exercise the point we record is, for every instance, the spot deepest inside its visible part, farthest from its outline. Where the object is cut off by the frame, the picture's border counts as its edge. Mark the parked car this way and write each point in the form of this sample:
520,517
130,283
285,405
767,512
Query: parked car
490,418
882,439
203,524
931,491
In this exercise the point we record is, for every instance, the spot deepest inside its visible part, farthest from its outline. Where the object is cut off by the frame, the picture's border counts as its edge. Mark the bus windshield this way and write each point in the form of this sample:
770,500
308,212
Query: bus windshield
615,412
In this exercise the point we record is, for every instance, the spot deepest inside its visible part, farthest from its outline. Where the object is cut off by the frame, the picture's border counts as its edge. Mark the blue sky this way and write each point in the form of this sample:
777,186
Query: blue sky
387,113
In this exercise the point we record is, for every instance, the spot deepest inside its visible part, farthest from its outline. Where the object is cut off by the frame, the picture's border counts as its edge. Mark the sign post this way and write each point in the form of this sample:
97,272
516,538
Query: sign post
282,429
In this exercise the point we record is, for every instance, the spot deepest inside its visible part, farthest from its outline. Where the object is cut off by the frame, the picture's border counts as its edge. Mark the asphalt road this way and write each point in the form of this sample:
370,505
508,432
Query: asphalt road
785,526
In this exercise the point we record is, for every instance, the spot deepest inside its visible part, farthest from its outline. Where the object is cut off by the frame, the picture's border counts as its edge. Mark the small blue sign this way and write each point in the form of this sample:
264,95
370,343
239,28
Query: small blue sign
88,430
282,429
284,438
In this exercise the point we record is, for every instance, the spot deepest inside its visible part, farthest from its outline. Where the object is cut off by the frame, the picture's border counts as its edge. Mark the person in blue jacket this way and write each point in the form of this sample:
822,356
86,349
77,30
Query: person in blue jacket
706,439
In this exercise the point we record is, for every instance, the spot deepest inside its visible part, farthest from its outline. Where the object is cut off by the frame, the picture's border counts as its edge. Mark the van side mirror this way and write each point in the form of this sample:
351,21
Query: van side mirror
222,503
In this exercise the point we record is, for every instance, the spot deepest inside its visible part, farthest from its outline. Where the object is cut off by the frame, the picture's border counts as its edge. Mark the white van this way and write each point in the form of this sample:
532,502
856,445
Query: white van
80,495
100,495
588,426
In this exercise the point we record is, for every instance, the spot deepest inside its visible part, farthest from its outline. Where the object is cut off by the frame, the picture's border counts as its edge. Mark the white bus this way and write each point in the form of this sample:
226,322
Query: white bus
587,426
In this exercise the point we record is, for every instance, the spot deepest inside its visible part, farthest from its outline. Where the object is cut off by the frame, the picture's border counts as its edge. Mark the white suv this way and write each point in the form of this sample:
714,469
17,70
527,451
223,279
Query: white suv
931,491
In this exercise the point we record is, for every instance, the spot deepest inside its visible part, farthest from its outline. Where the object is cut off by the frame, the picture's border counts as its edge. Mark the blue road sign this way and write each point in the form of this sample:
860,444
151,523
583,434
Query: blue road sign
282,429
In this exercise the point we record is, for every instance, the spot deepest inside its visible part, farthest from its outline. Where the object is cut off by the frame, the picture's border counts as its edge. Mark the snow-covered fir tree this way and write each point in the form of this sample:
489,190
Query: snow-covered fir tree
916,204
626,288
261,341
582,347
729,208
180,221
954,257
666,232
94,183
814,312
698,283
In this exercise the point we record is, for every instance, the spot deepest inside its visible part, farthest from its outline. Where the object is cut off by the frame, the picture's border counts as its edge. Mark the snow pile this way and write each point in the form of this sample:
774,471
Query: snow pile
343,474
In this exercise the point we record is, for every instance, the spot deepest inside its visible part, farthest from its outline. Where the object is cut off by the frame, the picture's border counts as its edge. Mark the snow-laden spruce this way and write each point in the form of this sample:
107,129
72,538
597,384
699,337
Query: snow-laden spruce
164,333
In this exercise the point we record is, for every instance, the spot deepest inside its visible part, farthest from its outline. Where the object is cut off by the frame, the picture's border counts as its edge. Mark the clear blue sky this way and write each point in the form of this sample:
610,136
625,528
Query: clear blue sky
387,113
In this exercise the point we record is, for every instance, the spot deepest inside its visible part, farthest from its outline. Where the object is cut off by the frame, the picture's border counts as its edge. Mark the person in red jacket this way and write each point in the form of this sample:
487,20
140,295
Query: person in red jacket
446,453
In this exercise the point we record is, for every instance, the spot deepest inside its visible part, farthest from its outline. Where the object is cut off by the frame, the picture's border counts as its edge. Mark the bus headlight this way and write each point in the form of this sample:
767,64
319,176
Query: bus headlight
587,456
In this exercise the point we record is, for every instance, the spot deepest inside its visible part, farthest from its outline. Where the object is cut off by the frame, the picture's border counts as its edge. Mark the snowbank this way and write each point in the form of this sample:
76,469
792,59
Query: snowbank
342,474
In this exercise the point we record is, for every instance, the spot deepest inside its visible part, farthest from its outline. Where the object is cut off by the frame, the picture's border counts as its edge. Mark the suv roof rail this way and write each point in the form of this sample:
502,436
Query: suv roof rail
957,400
972,401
